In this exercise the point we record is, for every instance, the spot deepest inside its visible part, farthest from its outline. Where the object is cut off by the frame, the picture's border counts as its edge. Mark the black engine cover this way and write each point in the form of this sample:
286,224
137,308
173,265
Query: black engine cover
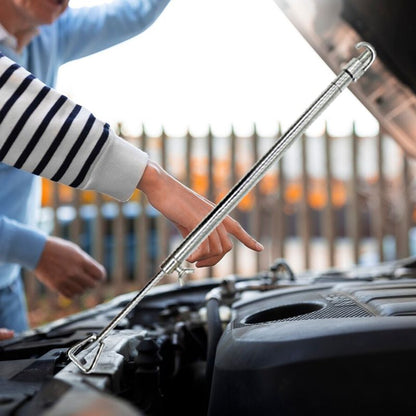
343,349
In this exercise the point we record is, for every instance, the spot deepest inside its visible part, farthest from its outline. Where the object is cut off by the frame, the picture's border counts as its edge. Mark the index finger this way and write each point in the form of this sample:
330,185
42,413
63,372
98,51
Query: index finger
235,229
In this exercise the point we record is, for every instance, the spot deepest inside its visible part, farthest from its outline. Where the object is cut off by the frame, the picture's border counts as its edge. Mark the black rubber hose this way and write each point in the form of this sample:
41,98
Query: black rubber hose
214,326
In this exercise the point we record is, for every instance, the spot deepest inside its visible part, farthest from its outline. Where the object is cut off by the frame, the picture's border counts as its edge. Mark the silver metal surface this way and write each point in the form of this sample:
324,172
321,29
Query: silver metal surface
351,72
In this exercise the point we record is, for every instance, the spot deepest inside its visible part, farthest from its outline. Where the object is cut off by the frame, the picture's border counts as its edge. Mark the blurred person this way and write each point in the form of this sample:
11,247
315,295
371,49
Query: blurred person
41,35
45,133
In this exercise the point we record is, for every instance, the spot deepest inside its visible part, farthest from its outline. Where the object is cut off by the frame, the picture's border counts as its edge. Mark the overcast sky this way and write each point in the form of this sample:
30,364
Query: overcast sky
210,62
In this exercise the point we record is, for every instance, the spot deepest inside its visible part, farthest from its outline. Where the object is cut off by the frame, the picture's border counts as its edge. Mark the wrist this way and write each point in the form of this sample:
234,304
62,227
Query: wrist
153,178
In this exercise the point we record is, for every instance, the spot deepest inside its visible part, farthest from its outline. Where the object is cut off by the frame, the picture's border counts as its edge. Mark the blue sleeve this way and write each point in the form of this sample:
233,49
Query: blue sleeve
20,243
88,30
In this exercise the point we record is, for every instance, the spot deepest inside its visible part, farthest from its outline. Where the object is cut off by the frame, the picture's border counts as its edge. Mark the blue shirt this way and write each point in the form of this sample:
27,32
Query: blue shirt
77,33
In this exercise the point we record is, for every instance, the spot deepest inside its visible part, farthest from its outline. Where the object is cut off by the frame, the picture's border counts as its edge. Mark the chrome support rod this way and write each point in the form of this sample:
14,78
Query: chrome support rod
351,72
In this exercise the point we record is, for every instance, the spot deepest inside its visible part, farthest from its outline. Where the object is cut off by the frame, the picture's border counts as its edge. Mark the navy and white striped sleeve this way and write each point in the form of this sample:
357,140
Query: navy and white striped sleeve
45,133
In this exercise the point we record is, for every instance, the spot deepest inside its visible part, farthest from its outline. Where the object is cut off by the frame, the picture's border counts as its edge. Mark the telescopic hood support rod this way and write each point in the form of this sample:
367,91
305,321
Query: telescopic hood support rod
173,263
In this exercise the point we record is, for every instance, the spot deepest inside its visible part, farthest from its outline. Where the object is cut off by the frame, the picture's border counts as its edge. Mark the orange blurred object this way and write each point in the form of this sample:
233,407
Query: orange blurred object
246,204
293,193
47,192
339,194
317,198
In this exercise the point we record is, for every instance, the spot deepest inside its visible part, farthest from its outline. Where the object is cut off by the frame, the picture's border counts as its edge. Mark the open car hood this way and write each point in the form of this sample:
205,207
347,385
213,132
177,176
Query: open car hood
333,27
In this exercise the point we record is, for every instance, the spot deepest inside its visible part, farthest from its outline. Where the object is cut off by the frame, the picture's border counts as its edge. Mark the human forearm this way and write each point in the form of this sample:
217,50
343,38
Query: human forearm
186,209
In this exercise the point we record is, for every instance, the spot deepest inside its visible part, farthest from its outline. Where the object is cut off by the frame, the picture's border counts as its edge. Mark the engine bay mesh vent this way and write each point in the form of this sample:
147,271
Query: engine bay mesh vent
334,305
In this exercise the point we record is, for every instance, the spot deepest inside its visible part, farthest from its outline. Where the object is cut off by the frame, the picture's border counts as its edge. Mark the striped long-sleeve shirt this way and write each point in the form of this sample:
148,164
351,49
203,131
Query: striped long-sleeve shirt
45,133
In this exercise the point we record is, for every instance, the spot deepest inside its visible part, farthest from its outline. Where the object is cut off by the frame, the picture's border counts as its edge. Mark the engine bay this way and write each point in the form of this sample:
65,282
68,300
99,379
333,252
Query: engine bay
336,342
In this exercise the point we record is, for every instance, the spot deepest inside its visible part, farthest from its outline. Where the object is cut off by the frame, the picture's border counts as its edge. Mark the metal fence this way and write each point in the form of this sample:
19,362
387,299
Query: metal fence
330,202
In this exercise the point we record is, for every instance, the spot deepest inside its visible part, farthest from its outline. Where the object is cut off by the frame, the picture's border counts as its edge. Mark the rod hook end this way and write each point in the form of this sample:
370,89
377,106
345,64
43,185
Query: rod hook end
370,48
77,348
357,66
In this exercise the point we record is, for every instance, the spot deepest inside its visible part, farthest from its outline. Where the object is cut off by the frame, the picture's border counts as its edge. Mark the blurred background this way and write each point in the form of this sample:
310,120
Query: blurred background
205,91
